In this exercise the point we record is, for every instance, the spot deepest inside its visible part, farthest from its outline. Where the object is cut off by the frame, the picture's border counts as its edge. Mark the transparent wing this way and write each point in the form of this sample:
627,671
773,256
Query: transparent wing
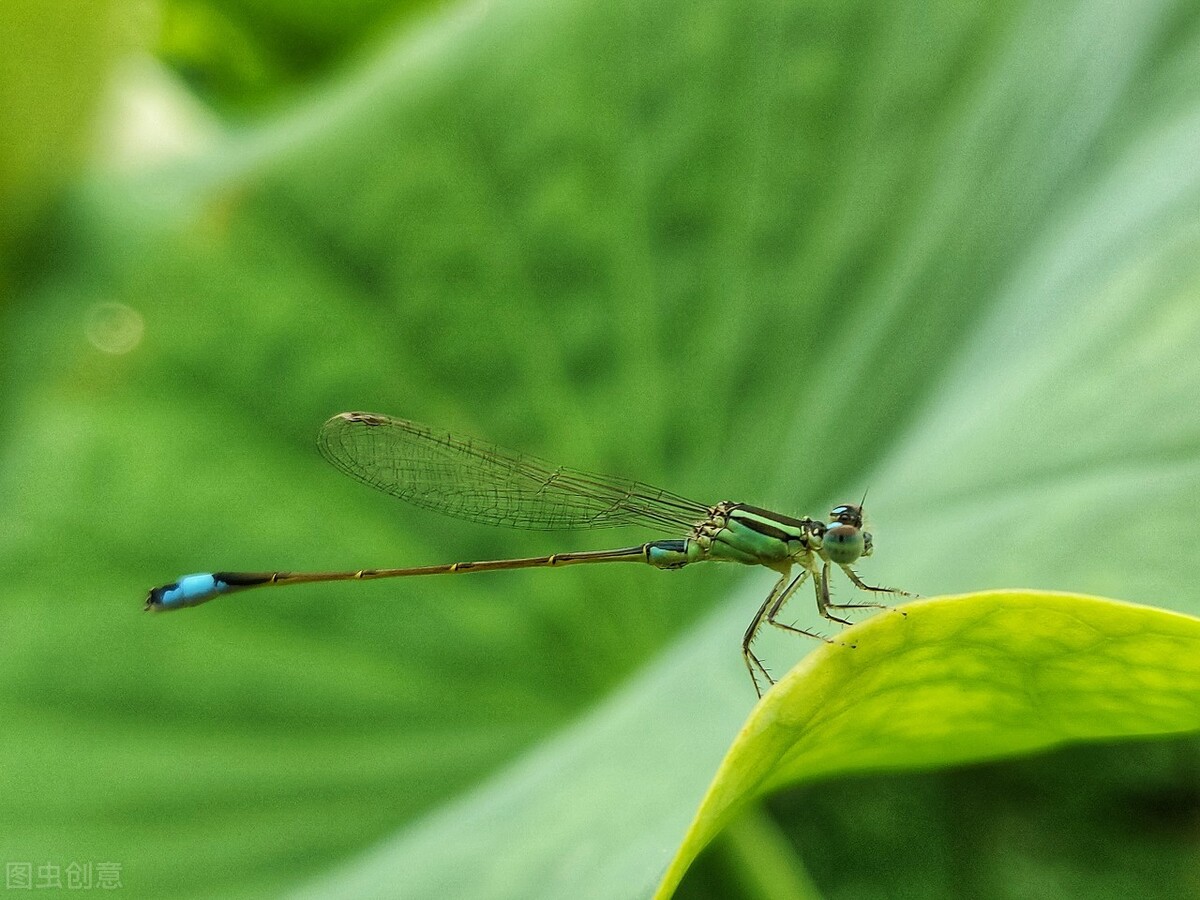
477,481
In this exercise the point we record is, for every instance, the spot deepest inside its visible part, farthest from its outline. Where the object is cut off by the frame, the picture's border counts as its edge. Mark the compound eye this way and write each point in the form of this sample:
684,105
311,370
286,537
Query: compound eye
847,514
844,543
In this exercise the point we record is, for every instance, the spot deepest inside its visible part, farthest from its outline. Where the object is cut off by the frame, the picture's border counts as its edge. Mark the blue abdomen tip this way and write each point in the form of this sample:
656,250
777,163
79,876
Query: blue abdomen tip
190,590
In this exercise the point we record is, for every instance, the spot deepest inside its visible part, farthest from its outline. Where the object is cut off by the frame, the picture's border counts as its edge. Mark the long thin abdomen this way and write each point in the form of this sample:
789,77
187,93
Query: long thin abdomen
192,590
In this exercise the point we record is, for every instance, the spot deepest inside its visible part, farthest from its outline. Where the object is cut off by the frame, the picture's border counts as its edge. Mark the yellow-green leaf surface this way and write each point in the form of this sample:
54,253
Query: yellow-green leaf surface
955,679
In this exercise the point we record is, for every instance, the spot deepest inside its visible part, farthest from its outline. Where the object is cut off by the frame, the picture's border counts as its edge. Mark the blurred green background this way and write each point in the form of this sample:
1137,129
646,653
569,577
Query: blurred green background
774,252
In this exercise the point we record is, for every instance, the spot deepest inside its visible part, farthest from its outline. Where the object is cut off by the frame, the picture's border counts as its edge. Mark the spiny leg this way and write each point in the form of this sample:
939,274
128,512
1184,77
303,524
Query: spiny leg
753,663
821,585
786,595
782,599
863,586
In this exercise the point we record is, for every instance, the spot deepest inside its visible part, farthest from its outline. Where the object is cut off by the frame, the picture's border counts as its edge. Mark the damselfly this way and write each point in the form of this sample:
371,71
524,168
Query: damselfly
484,483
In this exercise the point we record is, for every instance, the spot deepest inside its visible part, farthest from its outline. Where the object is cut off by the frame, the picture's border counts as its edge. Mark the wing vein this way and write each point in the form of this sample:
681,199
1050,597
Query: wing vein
481,482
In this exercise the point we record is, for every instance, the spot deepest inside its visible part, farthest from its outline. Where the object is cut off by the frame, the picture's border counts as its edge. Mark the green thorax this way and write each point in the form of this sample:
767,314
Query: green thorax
746,534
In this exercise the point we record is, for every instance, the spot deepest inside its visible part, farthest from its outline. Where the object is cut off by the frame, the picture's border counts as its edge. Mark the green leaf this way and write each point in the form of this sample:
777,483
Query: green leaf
959,679
243,55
